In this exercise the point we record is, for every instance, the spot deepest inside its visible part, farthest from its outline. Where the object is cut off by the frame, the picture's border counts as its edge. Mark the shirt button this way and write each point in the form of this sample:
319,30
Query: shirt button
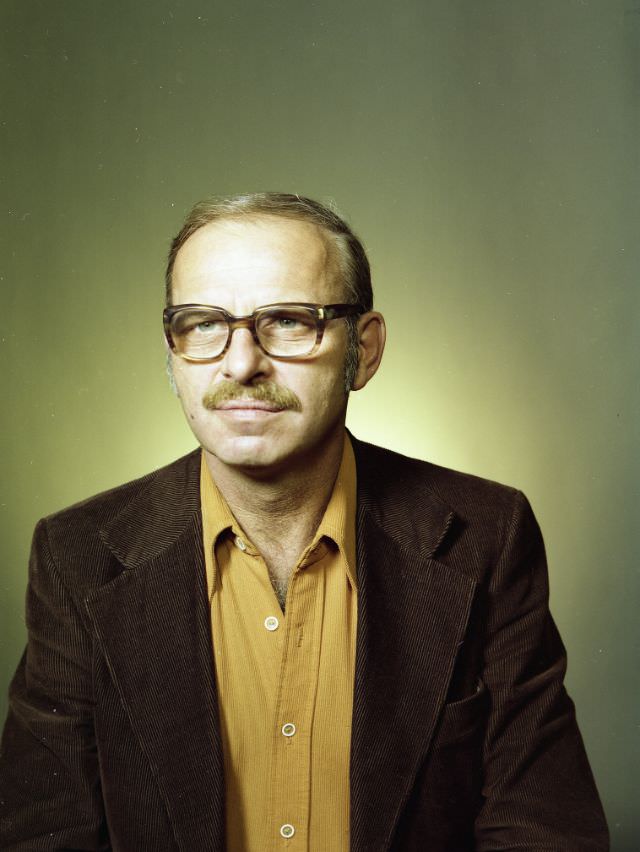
240,543
288,729
287,830
271,623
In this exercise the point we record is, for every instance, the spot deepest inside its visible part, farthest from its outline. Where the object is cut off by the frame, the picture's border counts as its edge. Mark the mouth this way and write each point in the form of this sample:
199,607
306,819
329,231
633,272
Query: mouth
248,405
256,400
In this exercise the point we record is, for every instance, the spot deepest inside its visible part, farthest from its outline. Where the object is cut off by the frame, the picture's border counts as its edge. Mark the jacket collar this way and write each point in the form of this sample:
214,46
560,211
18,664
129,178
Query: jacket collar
153,624
157,514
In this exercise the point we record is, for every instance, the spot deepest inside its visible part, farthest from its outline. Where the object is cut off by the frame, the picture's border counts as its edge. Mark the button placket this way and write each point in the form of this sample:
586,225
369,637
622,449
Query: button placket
296,691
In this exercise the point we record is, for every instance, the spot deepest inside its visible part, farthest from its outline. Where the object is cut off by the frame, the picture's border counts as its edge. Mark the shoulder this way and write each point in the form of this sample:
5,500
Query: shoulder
411,497
161,497
104,506
391,472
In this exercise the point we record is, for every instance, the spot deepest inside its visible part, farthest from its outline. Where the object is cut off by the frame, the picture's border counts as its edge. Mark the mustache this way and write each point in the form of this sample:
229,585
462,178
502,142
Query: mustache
276,395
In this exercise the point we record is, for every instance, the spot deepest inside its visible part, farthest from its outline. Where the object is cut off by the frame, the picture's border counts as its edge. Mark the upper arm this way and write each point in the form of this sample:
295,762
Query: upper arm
538,787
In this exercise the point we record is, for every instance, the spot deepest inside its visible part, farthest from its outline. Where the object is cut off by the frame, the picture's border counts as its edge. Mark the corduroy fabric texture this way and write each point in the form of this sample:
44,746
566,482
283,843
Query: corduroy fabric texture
463,737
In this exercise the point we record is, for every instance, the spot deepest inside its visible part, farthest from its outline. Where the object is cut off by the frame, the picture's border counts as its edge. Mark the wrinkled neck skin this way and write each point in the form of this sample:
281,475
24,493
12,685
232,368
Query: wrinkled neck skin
280,508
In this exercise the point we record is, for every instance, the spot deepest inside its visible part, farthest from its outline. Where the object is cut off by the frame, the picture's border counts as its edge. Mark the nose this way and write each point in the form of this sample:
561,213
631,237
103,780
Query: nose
244,360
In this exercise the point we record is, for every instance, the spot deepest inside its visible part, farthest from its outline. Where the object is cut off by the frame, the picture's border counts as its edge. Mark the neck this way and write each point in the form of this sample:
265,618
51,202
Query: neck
281,511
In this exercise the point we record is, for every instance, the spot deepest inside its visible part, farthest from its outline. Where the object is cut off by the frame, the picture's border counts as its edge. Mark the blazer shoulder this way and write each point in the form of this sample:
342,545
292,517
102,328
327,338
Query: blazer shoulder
405,494
391,479
452,486
170,485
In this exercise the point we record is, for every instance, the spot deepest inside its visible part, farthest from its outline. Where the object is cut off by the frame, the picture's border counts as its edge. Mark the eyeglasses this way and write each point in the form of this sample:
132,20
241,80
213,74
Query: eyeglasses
203,332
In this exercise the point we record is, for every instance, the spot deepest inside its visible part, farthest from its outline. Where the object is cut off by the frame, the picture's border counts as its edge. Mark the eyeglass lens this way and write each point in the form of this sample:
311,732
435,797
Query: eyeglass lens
201,333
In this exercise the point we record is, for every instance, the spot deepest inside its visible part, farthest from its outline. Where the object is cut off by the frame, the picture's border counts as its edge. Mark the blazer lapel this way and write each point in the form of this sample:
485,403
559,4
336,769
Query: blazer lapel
153,625
412,616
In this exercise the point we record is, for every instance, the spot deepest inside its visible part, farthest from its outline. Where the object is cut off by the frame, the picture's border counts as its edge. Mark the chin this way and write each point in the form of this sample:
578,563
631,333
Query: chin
270,451
247,451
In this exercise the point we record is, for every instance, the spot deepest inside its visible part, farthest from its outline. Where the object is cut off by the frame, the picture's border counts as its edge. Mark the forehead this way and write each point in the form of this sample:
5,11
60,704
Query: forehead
259,260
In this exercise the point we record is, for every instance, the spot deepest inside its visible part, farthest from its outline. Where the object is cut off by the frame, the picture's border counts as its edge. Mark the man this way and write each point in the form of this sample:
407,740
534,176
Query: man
290,639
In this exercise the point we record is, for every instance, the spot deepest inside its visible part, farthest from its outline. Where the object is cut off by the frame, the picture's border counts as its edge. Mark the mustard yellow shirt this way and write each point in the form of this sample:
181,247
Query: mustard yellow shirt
285,681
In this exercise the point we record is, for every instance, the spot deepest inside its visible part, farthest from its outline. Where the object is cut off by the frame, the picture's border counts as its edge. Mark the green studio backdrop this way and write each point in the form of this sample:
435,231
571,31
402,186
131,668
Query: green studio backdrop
486,152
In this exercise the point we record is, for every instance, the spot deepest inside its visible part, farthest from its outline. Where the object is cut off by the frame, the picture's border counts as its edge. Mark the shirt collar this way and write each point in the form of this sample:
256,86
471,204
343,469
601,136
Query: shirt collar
338,522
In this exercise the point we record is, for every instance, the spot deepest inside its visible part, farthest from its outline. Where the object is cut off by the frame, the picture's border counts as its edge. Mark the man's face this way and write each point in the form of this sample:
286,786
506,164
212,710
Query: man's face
240,266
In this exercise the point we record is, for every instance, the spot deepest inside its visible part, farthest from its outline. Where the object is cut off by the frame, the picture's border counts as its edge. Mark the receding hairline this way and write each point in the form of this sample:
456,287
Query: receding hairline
346,250
336,244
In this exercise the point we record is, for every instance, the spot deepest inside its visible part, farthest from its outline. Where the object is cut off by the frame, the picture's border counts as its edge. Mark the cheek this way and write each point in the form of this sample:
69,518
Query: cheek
191,385
325,395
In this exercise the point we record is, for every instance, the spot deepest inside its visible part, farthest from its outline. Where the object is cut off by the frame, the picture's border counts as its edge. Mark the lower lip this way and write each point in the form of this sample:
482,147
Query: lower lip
248,413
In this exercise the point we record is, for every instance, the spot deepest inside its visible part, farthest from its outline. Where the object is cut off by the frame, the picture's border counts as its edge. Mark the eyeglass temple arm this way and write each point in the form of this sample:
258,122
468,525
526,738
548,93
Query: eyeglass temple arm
334,311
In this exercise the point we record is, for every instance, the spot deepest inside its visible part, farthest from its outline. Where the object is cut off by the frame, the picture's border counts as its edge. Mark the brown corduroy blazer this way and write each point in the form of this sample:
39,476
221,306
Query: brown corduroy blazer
463,736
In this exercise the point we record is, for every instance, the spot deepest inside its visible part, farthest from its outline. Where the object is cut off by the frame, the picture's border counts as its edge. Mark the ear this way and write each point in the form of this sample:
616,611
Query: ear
372,334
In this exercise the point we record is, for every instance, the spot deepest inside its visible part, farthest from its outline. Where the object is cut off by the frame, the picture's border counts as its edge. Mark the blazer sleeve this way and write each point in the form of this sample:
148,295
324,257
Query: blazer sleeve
49,776
539,792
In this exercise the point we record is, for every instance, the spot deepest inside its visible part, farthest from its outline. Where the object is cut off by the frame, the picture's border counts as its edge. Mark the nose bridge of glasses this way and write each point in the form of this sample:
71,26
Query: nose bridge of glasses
247,322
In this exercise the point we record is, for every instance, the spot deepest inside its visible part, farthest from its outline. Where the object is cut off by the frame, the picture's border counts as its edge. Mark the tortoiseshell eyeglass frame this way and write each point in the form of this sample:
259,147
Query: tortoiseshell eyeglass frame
320,313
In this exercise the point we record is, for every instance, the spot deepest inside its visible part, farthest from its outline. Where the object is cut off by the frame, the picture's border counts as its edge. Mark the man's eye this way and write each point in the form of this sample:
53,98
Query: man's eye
287,322
206,326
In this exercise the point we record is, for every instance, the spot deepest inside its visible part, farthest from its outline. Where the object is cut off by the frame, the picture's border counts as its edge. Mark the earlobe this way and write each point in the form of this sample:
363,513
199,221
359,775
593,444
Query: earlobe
372,335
